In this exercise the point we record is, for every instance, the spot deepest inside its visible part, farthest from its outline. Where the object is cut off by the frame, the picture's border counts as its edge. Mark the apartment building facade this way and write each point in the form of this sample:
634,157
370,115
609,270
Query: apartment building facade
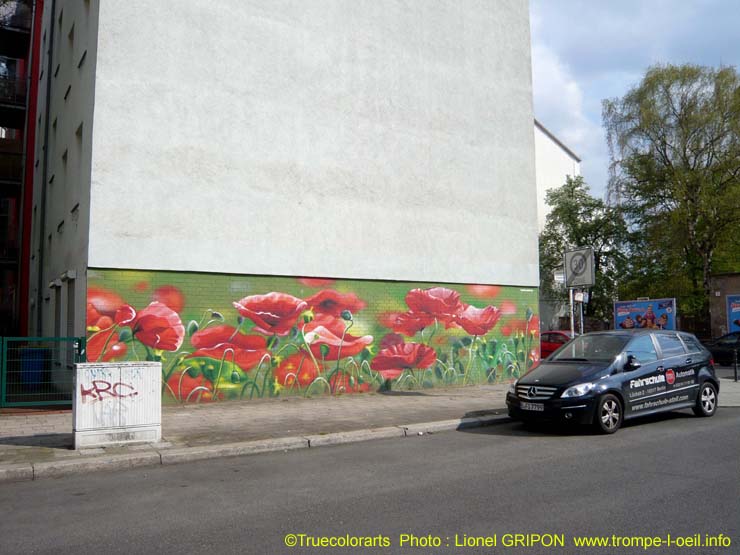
296,198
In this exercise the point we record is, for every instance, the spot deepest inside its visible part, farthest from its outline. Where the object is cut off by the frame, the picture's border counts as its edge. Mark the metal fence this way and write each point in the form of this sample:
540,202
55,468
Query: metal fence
38,371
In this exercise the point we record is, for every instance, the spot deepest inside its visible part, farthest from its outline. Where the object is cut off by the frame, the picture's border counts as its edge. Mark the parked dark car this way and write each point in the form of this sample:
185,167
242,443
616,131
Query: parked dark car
603,378
723,348
551,341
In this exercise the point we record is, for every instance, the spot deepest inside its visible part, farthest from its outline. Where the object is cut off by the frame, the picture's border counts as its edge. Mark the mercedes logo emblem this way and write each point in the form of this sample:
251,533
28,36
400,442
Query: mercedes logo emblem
531,392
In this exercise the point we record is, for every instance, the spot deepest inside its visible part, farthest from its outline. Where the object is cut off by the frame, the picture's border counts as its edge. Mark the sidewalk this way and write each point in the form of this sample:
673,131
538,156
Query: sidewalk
38,445
41,444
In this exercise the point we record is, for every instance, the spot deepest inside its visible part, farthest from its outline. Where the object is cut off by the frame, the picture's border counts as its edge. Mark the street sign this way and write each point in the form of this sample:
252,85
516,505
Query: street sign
579,268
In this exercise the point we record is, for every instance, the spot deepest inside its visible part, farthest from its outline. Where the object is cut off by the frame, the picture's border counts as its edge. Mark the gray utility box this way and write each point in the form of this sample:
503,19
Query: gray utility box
117,402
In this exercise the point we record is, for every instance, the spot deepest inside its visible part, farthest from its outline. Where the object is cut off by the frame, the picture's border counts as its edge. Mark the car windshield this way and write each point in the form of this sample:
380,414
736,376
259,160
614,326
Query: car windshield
598,347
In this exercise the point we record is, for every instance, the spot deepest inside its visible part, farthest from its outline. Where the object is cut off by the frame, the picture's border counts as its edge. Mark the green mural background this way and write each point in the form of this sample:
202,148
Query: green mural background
225,337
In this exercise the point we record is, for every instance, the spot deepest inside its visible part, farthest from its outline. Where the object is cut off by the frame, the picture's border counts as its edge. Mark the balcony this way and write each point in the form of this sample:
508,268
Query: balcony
12,102
16,18
12,91
16,15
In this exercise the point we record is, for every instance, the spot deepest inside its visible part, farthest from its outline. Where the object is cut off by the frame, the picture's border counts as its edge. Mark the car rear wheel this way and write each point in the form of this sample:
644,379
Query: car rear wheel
706,402
609,415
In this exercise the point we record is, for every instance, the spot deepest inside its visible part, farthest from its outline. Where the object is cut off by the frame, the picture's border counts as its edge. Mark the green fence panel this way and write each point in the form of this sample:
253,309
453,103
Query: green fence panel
38,371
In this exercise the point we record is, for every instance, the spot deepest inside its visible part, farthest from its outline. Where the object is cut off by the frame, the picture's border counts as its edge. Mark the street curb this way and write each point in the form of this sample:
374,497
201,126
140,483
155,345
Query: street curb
120,461
338,438
16,472
198,453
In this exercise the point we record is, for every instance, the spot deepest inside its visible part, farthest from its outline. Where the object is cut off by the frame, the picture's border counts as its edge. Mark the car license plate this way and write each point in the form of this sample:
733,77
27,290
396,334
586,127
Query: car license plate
533,406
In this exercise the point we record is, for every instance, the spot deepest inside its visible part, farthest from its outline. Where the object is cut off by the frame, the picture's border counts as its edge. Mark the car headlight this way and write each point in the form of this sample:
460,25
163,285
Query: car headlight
512,387
578,390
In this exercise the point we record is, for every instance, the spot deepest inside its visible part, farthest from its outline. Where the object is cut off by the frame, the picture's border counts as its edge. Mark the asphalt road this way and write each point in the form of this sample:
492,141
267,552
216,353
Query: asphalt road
674,474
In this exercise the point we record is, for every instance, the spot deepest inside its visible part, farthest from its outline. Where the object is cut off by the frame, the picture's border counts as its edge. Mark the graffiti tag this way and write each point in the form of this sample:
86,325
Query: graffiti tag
101,389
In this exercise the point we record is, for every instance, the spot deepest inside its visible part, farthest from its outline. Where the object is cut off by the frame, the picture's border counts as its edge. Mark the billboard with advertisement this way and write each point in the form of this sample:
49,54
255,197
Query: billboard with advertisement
733,313
653,313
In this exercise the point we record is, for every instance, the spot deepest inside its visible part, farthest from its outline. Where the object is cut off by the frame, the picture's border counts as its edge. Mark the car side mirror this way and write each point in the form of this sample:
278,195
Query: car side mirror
632,363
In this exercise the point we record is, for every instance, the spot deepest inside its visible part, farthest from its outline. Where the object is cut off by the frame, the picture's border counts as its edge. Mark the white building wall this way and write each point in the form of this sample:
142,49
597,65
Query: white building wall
370,139
553,164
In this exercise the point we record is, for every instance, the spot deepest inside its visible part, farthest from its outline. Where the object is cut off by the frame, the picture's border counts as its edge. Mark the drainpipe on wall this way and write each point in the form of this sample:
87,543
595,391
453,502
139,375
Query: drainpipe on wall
44,177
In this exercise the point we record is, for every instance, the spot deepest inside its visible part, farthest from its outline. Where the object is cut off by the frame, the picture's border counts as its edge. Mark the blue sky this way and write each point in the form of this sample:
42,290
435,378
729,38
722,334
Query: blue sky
584,52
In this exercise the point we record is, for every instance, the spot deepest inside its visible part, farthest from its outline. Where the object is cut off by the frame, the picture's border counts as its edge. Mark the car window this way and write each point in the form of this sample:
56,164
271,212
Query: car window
557,338
728,341
592,347
546,337
670,345
692,345
643,349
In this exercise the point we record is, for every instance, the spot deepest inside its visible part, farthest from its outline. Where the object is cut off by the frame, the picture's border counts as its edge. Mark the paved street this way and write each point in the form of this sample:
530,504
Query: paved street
672,474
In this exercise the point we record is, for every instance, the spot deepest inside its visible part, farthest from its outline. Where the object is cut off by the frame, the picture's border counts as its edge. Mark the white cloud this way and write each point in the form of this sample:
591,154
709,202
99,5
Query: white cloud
559,105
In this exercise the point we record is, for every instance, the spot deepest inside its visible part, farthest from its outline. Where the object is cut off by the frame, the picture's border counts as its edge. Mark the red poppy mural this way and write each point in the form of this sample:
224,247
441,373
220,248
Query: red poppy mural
344,337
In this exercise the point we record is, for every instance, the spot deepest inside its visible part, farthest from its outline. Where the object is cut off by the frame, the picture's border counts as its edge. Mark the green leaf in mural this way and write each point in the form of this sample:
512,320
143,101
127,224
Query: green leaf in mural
491,347
192,327
125,335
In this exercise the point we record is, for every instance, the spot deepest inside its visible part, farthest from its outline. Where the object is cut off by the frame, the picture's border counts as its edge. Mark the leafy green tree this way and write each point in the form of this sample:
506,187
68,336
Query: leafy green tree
579,220
675,145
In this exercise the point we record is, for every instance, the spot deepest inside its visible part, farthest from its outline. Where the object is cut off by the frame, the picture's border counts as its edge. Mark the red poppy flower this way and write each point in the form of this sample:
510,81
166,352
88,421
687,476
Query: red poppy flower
224,342
141,286
101,307
105,302
344,383
484,291
273,314
513,325
390,362
297,368
186,388
171,296
391,339
478,321
316,282
388,319
329,331
114,349
409,323
440,302
534,359
159,327
96,320
125,315
332,302
533,326
508,308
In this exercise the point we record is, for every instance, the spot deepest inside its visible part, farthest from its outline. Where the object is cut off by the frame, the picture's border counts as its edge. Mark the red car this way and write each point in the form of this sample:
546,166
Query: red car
551,341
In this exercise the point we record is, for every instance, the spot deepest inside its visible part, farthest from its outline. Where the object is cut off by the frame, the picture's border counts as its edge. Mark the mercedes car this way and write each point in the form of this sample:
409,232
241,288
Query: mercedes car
605,378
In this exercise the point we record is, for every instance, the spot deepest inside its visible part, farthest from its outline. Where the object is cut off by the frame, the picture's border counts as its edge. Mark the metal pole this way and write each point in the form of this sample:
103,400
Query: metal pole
580,314
572,323
735,364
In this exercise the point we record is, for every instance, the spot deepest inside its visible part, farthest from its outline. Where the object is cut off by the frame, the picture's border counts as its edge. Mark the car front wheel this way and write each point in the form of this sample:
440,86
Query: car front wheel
706,402
608,418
